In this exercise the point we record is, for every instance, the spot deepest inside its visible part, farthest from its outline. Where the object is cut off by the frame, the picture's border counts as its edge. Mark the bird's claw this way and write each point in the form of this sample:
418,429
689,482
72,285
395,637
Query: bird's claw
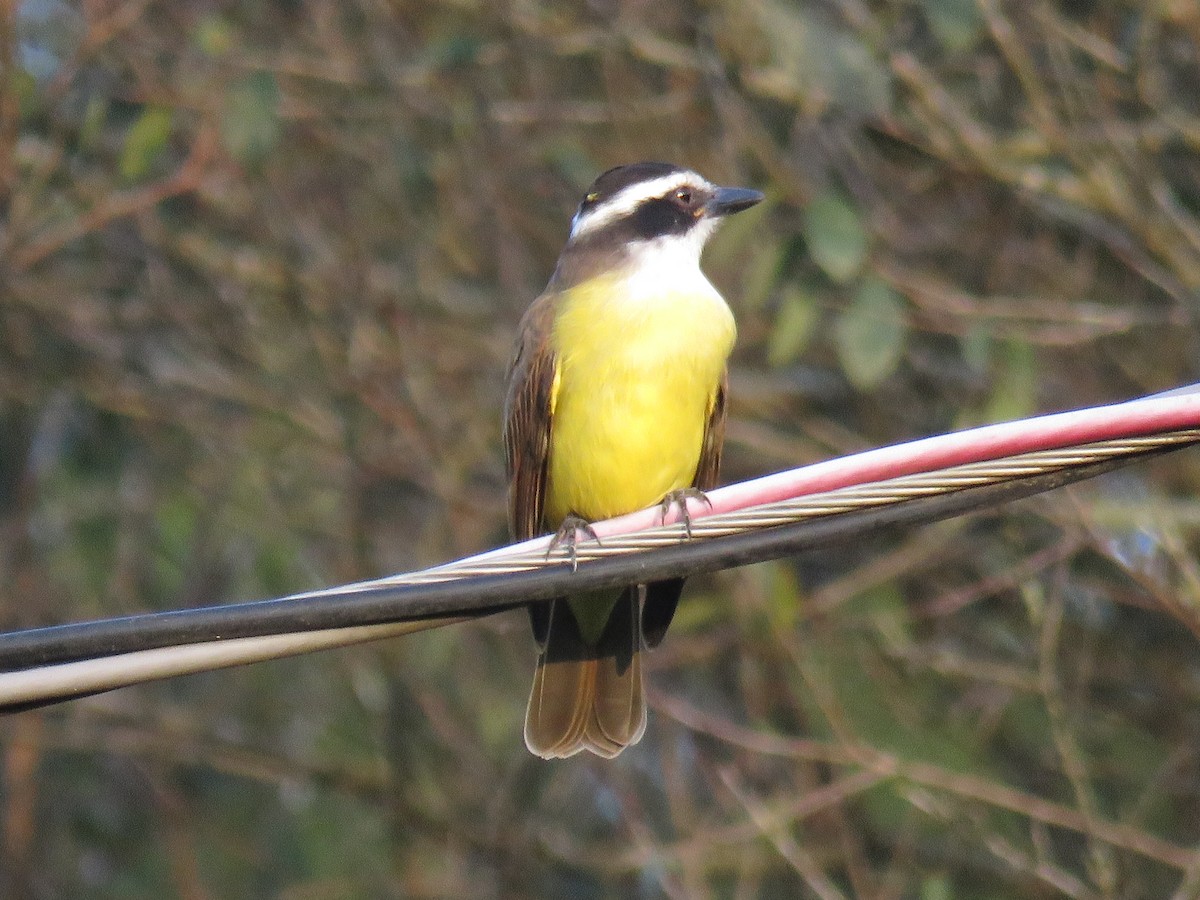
567,537
679,499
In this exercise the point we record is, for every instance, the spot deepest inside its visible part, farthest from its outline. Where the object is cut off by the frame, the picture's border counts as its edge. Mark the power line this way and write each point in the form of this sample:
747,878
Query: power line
766,518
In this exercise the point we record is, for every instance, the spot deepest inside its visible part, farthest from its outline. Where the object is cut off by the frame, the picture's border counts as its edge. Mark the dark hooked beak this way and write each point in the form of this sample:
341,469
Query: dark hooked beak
727,201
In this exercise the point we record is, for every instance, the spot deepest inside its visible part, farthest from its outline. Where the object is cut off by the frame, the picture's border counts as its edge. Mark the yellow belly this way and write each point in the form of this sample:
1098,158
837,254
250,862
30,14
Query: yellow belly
637,376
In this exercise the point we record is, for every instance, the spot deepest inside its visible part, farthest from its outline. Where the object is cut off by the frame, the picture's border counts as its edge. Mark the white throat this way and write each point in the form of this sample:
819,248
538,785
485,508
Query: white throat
669,264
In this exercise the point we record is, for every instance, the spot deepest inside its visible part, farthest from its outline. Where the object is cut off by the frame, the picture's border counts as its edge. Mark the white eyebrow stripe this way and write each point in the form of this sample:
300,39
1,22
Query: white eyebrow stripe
628,199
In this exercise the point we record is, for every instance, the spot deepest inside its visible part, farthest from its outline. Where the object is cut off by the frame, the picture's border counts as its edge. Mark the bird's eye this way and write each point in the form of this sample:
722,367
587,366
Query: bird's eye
683,195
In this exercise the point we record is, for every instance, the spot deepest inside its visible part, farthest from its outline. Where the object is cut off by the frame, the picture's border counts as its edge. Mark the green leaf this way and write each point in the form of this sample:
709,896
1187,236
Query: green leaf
783,595
976,346
885,608
91,128
176,520
761,274
250,124
955,23
144,143
213,35
819,63
458,51
871,334
846,71
1015,393
794,326
937,887
25,88
835,235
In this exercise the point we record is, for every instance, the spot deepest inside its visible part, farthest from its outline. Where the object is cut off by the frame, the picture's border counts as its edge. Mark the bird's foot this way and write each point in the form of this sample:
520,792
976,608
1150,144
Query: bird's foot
679,499
567,537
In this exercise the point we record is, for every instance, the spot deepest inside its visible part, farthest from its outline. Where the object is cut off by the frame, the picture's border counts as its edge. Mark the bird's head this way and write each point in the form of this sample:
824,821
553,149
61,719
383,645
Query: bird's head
652,207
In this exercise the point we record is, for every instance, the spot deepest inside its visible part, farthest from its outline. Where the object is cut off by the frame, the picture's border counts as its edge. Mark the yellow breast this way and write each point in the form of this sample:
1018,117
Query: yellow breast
639,362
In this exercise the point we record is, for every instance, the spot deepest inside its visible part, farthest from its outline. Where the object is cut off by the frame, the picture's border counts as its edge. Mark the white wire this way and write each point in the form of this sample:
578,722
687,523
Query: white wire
71,679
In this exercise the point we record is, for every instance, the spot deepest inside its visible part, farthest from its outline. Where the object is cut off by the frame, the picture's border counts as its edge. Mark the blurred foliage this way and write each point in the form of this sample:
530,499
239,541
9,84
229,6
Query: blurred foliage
260,267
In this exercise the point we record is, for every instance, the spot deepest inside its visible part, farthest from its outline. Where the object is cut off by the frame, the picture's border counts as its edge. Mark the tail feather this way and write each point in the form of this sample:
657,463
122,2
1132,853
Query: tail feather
588,697
661,599
618,708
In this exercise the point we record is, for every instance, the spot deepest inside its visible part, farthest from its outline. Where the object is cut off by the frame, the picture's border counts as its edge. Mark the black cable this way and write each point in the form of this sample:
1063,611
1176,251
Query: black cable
484,595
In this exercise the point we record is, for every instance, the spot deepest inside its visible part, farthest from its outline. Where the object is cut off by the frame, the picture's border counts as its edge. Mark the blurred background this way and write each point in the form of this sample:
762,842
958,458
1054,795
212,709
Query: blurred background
261,265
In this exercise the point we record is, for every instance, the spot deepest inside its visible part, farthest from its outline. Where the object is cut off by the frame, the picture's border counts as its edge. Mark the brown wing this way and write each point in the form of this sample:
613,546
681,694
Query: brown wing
709,467
663,596
527,419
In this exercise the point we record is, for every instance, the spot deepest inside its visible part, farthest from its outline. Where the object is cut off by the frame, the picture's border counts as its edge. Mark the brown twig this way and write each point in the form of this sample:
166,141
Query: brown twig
9,101
957,784
119,205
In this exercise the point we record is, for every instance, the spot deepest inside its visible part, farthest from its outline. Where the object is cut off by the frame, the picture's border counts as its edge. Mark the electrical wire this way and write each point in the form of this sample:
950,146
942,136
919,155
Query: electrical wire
765,518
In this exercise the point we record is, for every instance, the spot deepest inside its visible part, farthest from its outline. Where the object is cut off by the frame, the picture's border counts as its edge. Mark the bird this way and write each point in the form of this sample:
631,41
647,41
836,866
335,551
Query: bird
616,402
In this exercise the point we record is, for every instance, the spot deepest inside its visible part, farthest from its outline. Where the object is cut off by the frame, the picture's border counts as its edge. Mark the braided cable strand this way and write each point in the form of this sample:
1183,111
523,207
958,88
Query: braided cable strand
826,503
524,558
988,454
765,518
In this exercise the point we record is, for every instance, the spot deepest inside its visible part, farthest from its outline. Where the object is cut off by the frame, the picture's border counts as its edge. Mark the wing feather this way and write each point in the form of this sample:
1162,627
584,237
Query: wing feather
708,470
663,596
527,414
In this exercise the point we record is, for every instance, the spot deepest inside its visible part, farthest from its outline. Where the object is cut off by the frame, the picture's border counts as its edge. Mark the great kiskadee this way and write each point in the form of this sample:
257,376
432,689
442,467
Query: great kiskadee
616,402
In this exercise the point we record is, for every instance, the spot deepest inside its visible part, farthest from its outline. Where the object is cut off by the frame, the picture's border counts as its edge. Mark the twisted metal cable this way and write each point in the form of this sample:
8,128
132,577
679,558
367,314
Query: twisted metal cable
799,509
62,662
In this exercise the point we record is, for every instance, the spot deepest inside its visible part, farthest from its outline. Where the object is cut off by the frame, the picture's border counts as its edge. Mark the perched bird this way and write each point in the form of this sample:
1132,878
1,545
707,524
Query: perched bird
616,402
